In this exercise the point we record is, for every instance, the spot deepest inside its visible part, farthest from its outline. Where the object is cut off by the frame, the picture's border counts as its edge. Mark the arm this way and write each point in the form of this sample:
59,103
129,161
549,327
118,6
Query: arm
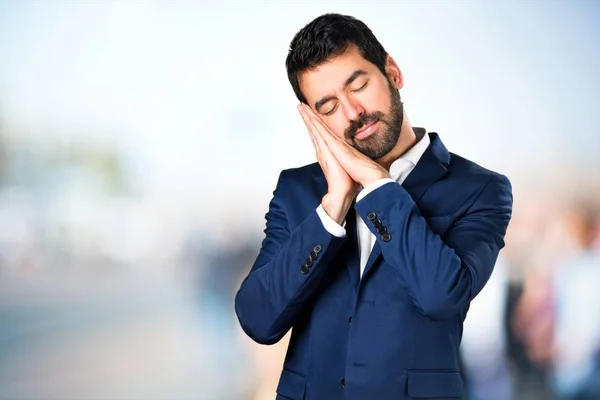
441,274
286,273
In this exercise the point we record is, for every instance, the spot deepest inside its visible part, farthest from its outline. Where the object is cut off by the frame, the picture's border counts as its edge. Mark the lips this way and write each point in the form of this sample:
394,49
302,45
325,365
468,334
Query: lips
366,131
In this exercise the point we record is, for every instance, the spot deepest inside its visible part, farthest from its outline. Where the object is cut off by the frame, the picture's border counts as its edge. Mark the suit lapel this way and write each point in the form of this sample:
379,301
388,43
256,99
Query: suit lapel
431,167
373,257
351,248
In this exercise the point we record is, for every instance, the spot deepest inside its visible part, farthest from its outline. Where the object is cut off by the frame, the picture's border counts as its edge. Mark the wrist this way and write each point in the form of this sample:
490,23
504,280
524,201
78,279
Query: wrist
336,205
340,198
374,178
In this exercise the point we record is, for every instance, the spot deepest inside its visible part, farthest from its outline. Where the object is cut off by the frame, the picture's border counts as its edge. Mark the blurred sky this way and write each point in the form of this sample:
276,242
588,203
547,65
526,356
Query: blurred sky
195,95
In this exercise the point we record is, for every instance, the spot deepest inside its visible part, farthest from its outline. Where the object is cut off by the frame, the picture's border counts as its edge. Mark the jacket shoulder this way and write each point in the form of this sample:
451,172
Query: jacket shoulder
303,172
465,169
303,177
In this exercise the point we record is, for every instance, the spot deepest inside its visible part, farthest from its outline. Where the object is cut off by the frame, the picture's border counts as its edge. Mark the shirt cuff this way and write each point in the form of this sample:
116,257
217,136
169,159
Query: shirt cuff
372,186
329,224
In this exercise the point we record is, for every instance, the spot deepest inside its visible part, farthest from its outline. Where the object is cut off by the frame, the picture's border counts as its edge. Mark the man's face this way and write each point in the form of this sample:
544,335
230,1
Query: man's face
356,101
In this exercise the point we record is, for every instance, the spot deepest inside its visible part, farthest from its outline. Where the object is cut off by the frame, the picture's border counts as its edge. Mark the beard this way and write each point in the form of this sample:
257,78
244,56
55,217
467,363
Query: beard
383,140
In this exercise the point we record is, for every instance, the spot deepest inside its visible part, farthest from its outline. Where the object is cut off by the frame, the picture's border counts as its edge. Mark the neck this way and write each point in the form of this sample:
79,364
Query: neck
408,138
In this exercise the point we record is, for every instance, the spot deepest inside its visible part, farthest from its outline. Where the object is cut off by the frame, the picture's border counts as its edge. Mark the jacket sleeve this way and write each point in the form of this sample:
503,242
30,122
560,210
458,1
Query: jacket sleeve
286,273
441,274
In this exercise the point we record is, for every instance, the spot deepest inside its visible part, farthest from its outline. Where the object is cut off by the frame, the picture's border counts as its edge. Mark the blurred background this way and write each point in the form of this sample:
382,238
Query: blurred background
140,143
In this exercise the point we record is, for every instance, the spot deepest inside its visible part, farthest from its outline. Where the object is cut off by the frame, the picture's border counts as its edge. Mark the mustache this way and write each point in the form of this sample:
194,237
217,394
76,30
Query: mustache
365,119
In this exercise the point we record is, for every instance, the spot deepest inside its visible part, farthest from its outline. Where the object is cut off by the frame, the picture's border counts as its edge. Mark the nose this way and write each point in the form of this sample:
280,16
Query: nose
353,110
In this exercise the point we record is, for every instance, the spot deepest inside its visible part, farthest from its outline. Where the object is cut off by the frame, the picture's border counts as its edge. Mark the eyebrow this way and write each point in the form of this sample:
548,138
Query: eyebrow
351,78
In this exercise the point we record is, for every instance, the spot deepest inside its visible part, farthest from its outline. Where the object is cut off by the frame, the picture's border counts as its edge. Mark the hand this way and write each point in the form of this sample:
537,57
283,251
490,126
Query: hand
357,166
341,188
338,180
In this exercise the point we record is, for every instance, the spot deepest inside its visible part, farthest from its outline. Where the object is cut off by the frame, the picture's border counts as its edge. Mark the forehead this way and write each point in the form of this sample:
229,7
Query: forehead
329,77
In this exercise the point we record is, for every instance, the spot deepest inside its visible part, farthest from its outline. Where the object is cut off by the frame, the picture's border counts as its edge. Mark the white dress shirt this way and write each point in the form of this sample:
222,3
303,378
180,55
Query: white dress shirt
399,171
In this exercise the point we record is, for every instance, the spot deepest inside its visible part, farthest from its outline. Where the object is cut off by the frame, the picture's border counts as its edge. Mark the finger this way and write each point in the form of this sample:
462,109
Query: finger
328,136
317,143
317,135
307,110
320,126
336,144
314,142
309,128
322,134
325,154
338,150
302,109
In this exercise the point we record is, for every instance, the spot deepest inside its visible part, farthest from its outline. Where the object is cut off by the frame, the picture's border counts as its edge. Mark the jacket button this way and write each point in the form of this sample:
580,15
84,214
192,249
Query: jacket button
317,249
304,269
377,223
382,230
343,382
308,263
386,237
371,216
313,255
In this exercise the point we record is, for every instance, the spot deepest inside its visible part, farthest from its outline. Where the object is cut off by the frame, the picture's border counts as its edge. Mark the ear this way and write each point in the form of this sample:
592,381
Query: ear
393,72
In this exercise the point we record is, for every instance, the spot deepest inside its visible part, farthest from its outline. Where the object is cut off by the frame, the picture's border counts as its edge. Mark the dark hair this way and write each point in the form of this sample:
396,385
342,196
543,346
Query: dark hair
328,36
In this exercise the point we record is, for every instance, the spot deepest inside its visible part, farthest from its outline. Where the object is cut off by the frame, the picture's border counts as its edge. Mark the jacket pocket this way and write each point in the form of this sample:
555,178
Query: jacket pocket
291,386
434,385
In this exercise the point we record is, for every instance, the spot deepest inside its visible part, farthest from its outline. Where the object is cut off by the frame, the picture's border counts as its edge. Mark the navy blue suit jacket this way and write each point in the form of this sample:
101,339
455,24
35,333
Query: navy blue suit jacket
395,333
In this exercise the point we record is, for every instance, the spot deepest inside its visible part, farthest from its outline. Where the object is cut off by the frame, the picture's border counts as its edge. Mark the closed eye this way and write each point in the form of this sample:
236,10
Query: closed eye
332,110
361,88
328,113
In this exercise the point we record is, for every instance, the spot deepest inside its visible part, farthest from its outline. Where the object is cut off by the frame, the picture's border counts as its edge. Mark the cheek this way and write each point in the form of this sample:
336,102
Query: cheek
378,99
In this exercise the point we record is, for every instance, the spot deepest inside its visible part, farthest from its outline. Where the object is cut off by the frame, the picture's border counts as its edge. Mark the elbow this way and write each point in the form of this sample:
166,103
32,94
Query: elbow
261,337
442,301
439,311
438,308
256,321
260,333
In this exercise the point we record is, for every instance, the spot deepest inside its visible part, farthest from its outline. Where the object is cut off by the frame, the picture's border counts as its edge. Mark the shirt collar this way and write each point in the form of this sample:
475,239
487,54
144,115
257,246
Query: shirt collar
408,160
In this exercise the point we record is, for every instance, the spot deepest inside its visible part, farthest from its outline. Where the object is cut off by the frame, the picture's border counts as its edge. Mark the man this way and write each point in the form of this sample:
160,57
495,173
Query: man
373,254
